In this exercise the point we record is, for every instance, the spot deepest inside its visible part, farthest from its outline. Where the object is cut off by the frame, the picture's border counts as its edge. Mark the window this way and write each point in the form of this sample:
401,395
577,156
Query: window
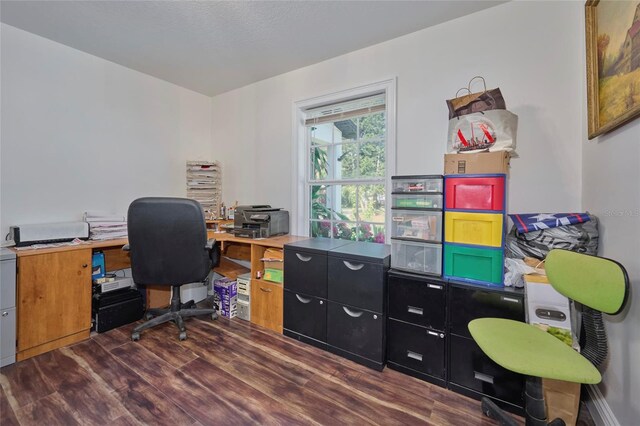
346,146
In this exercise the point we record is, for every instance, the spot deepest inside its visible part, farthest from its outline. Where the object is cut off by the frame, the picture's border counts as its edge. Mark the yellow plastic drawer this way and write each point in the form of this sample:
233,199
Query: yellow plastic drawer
482,229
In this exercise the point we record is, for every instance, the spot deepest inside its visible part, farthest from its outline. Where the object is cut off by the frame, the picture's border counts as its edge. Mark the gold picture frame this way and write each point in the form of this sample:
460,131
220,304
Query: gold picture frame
613,77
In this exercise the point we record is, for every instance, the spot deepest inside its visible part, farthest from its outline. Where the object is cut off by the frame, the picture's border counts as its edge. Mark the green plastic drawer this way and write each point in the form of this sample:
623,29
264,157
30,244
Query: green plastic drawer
483,265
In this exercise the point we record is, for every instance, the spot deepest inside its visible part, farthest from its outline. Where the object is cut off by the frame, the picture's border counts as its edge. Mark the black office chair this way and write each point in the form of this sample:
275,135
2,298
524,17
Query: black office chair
168,246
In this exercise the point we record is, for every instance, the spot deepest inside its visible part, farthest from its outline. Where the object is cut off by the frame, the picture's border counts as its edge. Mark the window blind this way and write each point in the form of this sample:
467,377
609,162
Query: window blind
345,110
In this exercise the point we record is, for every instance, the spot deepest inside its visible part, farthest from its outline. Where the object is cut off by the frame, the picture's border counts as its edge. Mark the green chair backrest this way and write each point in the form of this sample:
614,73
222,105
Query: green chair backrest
599,283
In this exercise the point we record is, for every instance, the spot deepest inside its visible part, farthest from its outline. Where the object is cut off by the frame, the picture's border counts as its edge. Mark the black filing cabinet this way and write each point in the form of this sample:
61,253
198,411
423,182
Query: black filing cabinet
471,372
357,286
305,289
416,341
335,297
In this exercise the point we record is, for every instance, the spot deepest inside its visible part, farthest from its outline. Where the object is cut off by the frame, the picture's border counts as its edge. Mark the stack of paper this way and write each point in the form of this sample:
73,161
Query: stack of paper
204,185
104,226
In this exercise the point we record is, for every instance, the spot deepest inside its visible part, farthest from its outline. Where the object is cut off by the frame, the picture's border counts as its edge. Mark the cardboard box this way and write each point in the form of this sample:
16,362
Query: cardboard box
227,291
477,163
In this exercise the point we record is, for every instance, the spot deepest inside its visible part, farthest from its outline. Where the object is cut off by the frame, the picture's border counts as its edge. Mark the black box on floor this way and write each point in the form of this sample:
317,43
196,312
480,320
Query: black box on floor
116,308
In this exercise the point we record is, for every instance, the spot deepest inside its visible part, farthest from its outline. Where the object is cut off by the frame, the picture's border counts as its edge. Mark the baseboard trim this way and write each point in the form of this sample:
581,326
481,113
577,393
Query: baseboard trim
599,408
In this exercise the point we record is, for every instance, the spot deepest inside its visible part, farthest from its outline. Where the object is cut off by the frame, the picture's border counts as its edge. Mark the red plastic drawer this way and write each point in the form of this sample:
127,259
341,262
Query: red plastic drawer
475,192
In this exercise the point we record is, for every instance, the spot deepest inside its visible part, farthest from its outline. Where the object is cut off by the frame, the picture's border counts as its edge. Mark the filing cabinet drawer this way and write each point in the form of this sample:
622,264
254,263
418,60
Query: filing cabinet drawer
471,368
305,273
356,331
7,336
356,283
305,315
8,280
415,347
417,301
470,302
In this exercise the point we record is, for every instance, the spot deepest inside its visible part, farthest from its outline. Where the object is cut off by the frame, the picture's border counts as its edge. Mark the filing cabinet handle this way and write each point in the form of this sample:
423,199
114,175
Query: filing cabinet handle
434,286
483,377
414,310
414,355
354,314
433,333
303,299
303,258
353,266
5,313
509,299
266,290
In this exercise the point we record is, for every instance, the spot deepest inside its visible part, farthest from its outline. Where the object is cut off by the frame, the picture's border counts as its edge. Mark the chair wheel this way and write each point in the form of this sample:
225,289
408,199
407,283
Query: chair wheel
183,335
135,336
148,316
214,316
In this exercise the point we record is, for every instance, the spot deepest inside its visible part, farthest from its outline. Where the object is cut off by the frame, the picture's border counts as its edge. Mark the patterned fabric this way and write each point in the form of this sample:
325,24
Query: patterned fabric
538,221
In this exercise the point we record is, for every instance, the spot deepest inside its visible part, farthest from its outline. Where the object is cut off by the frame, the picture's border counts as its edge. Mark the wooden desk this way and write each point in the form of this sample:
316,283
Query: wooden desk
54,288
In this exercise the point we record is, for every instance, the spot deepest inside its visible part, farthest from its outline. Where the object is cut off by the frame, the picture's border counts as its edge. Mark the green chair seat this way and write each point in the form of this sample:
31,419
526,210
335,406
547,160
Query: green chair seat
528,350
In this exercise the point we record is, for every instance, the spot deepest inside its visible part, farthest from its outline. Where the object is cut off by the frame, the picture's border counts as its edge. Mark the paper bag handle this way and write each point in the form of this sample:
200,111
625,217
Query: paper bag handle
484,83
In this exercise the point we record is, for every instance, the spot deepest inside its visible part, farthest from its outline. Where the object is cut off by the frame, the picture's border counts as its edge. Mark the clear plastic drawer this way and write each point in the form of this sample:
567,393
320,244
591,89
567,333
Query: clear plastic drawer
422,258
416,184
423,201
422,225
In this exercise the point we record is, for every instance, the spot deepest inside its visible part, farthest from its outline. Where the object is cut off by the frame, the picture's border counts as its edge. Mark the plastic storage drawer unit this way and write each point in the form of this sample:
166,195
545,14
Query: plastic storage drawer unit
482,229
417,201
424,225
481,265
421,183
422,258
475,192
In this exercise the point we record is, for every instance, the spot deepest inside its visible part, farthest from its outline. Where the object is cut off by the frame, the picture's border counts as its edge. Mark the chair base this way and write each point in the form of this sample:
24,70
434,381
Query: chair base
491,410
176,314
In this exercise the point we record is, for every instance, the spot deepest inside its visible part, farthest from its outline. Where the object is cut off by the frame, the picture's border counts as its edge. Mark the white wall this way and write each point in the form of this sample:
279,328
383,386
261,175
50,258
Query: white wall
611,190
524,47
81,133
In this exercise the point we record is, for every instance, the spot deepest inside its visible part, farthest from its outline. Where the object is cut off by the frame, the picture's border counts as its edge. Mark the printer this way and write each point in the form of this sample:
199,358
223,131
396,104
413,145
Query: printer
260,221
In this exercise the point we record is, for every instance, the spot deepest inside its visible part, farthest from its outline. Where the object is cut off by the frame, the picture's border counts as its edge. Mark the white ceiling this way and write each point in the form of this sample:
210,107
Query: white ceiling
215,46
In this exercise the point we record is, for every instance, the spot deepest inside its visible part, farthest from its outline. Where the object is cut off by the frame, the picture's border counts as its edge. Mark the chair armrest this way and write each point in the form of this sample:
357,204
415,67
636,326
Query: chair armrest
126,247
214,252
210,244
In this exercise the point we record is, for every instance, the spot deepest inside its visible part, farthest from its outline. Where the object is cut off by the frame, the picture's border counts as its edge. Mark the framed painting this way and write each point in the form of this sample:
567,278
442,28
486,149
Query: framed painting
613,63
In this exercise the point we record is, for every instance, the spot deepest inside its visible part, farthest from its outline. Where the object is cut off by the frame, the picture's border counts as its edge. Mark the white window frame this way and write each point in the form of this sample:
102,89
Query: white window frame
300,171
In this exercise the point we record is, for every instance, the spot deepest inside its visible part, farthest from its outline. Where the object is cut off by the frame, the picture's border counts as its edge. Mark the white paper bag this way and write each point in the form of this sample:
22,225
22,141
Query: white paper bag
493,130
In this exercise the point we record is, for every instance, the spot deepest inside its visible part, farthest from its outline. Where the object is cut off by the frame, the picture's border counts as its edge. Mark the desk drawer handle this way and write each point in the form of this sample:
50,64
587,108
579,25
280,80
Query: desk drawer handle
84,265
483,377
414,310
303,299
5,313
353,266
266,290
414,355
353,314
303,258
509,299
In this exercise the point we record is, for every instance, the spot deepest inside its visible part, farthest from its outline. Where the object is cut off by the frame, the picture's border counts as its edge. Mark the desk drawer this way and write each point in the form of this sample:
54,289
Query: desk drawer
467,303
305,315
305,273
415,347
357,283
417,300
471,368
356,331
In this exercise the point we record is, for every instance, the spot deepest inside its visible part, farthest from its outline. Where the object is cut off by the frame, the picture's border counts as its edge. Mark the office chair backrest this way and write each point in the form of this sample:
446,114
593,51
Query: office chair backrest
599,283
167,240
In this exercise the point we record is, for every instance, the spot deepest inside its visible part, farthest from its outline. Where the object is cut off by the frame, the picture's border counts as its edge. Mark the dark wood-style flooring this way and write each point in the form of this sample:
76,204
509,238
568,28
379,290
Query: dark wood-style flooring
226,372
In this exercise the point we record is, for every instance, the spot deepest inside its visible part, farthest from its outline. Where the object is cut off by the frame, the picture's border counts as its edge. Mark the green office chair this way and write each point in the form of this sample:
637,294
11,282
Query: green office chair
599,285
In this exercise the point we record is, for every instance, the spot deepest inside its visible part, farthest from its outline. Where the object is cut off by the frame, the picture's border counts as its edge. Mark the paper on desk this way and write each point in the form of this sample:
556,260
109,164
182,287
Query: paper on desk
75,242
